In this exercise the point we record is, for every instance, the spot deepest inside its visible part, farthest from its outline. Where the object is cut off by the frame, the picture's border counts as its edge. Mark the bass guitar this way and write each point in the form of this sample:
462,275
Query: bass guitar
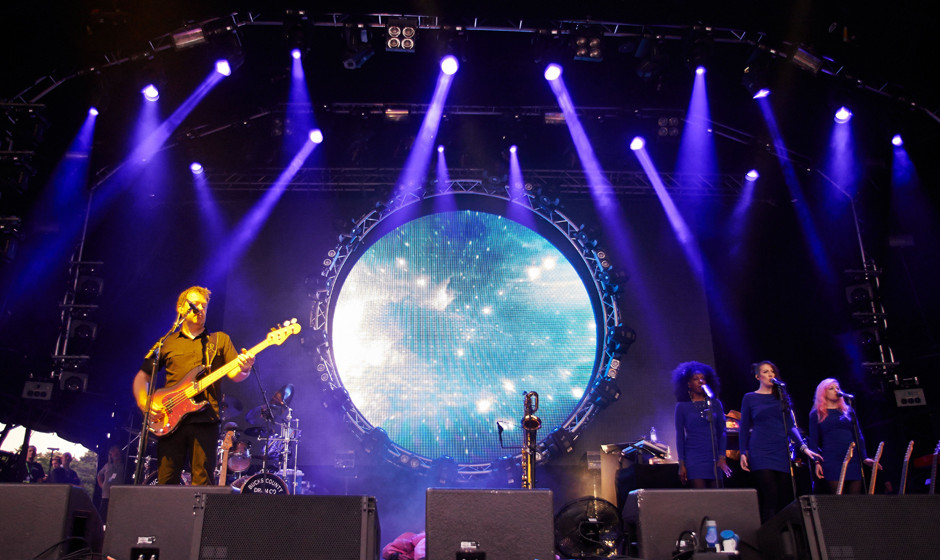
907,460
874,467
172,404
845,466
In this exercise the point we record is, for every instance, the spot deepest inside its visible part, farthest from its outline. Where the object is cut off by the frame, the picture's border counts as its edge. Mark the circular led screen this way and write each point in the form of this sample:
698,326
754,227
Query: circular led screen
445,321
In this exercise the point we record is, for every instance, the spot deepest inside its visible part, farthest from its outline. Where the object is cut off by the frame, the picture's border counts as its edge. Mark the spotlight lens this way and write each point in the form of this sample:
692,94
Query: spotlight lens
552,72
897,140
637,144
513,149
449,65
440,149
316,136
151,93
843,115
196,168
762,92
94,112
295,53
223,67
752,175
700,70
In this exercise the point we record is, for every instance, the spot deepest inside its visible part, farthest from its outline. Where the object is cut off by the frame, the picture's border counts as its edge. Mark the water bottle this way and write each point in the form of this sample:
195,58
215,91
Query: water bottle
711,535
653,434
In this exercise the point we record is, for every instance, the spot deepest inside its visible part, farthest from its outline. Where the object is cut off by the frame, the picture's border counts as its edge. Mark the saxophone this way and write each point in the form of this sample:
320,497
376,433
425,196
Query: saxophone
530,426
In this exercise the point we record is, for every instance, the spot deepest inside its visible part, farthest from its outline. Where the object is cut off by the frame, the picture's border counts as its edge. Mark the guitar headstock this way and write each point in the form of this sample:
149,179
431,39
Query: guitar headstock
283,331
910,449
227,442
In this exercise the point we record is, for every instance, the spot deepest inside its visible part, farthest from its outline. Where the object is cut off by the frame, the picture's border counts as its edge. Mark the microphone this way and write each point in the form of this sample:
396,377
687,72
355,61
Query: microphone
778,383
193,308
499,426
845,395
708,391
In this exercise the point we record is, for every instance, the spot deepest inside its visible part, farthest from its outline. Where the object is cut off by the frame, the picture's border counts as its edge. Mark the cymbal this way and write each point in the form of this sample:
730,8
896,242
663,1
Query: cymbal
229,426
230,407
263,414
256,431
283,396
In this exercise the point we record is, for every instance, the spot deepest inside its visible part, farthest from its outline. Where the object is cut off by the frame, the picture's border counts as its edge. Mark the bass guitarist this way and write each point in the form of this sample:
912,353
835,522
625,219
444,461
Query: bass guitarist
194,436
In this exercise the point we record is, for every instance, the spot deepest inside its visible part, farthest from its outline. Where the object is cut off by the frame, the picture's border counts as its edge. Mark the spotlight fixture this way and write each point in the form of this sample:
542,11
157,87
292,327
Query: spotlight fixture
223,67
843,115
400,35
755,75
751,175
700,70
94,112
316,136
440,149
196,168
295,54
449,65
552,72
151,93
358,48
513,149
807,60
897,141
668,126
637,143
588,47
188,38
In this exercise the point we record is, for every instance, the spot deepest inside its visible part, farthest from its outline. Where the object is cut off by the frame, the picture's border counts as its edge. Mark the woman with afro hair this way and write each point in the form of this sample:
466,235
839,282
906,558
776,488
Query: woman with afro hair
700,426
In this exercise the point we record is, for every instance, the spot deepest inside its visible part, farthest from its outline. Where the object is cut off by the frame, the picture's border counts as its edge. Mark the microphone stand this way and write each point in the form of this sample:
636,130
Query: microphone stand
709,408
857,432
784,409
155,352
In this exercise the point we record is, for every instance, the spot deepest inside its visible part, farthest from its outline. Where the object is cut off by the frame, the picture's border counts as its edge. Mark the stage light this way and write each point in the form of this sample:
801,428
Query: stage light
196,168
752,175
897,141
755,77
513,149
637,143
604,392
588,47
440,149
843,115
552,72
316,136
700,70
223,67
449,65
188,38
151,93
295,53
761,93
400,35
94,112
375,441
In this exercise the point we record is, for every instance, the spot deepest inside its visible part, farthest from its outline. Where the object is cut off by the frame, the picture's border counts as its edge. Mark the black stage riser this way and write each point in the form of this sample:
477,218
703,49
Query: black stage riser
209,523
35,517
655,518
854,528
506,524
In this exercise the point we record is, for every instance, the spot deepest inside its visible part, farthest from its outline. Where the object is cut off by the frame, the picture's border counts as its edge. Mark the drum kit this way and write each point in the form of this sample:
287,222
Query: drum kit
276,436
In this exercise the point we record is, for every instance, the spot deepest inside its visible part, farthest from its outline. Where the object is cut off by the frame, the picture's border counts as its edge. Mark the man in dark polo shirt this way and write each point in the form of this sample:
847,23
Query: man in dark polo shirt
195,437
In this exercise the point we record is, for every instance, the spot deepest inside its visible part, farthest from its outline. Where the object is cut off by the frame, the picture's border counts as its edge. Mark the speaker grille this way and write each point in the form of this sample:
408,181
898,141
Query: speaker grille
252,526
876,527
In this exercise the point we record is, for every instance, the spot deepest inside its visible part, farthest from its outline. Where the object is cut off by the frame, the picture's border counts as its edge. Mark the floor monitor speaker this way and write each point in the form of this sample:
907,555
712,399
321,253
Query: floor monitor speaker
51,520
489,524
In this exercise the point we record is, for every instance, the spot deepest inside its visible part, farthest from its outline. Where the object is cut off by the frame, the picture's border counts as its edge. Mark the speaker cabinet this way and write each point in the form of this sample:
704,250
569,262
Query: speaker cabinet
156,520
212,523
854,527
253,526
53,518
654,519
489,524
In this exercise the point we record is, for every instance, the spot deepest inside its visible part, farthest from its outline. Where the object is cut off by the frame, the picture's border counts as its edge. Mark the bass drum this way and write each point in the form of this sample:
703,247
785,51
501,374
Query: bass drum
264,483
186,479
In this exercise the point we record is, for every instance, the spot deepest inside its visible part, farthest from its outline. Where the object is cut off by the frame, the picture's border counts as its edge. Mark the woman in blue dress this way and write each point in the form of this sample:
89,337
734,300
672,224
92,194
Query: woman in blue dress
767,423
831,430
700,425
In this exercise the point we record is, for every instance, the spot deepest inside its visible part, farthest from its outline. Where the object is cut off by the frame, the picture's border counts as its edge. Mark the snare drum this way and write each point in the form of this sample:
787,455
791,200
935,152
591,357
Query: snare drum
265,483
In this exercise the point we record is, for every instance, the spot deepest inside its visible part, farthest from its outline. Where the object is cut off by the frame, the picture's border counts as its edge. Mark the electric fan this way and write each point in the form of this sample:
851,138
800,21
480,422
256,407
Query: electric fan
588,527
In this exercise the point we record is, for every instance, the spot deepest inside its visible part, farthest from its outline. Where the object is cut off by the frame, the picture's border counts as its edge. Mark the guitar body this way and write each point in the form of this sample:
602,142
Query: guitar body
175,404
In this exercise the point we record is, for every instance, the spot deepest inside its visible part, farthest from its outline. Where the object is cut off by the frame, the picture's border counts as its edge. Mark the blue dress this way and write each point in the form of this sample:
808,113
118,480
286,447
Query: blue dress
693,437
830,438
763,435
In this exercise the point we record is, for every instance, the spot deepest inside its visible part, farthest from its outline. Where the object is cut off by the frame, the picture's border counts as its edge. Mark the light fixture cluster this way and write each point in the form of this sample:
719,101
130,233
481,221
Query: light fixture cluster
400,35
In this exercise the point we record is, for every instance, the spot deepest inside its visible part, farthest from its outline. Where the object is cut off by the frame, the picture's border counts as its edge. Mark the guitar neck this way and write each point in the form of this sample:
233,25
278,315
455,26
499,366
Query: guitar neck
229,368
907,460
933,470
845,466
874,467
